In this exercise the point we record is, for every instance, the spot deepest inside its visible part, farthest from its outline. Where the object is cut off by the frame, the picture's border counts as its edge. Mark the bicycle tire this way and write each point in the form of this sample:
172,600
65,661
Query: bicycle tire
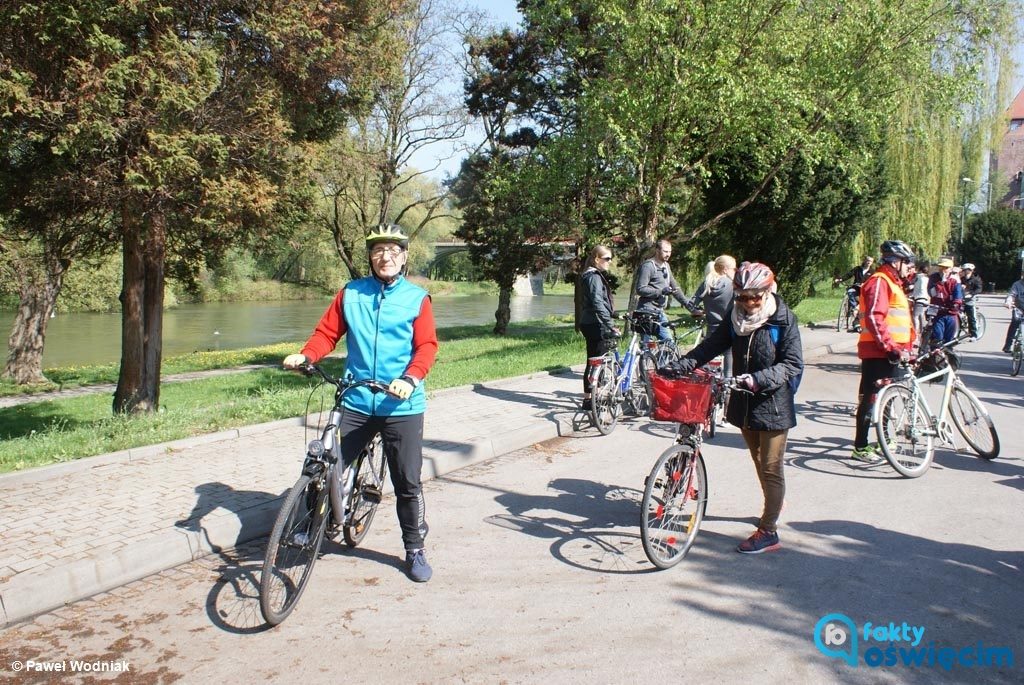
904,431
673,506
604,399
304,513
842,311
367,490
1018,355
641,393
974,423
980,325
713,420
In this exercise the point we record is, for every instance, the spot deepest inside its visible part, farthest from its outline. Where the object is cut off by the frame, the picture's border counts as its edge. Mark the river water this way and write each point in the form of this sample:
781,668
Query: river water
91,338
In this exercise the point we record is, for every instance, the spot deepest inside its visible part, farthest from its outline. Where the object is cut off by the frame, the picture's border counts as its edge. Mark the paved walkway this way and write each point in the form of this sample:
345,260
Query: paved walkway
80,528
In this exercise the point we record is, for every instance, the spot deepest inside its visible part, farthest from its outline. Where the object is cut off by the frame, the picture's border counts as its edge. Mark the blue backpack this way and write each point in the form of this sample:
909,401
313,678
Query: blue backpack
774,332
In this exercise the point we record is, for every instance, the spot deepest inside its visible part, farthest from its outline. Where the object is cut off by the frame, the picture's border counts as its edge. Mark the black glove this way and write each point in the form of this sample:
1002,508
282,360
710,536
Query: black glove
679,368
897,356
667,290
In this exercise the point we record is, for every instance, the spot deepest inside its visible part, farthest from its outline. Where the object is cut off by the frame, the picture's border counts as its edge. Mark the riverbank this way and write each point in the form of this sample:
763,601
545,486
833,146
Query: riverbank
58,430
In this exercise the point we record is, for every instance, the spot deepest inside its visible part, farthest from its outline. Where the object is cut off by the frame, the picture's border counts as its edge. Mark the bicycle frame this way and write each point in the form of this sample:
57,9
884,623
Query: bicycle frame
323,455
322,458
943,425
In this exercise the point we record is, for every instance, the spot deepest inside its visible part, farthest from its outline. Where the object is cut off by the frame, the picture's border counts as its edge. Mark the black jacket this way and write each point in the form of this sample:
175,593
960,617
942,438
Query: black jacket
772,365
598,307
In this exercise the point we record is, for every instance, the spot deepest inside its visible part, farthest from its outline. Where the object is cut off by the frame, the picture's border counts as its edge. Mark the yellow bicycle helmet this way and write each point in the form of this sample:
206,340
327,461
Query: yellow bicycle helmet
387,233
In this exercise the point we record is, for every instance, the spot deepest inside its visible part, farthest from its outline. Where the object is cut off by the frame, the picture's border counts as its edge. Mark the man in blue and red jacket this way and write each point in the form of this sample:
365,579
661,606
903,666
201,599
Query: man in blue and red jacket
886,337
947,296
391,336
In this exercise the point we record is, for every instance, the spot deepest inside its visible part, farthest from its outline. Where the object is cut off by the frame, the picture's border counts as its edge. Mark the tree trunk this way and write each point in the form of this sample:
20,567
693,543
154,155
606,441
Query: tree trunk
36,303
142,299
504,312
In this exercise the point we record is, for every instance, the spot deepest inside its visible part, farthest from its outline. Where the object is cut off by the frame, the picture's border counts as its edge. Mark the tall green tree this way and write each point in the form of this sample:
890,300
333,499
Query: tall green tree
673,88
368,171
993,242
189,118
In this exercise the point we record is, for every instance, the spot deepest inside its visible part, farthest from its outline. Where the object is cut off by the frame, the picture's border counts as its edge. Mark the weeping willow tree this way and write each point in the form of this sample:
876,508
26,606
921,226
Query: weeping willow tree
923,159
933,145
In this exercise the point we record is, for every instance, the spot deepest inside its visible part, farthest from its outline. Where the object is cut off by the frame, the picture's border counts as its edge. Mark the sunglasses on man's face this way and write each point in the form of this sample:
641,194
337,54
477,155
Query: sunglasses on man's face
749,298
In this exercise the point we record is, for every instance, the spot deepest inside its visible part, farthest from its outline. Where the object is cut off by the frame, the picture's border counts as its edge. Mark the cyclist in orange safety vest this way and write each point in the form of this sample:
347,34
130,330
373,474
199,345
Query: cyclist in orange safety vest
887,335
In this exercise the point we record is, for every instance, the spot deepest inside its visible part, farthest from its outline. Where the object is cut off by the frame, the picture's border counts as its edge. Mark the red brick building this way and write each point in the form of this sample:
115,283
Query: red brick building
1008,166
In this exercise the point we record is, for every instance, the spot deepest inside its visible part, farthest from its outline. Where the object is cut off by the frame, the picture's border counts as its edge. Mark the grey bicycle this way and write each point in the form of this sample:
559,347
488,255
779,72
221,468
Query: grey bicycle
323,503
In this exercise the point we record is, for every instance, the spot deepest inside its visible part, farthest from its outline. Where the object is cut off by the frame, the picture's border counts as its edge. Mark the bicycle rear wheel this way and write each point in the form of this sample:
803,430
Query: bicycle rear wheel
292,549
974,423
675,498
604,399
904,431
366,492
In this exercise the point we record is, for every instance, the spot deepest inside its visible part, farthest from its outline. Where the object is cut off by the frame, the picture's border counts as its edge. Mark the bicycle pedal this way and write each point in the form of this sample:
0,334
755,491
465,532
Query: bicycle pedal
372,494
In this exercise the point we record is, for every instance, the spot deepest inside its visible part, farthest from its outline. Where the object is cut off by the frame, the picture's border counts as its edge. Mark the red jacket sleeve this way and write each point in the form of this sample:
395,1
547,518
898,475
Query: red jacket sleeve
424,341
327,333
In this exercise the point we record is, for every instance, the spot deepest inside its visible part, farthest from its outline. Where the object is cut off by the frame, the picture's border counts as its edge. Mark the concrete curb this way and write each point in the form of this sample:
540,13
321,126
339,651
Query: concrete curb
23,598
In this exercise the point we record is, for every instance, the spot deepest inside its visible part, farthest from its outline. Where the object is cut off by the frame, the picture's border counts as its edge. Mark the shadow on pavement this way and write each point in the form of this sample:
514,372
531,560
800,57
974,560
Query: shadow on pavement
217,495
233,602
960,592
581,516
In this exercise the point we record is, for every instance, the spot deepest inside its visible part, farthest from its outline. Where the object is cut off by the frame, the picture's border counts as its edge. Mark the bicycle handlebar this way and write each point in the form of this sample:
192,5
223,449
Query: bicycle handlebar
343,384
730,382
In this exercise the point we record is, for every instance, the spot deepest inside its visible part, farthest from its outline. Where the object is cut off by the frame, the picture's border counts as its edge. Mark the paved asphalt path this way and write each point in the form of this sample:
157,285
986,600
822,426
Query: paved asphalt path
540,575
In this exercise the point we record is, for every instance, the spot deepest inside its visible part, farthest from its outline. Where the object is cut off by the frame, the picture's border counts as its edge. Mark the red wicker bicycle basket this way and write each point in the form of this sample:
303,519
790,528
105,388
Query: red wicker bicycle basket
682,400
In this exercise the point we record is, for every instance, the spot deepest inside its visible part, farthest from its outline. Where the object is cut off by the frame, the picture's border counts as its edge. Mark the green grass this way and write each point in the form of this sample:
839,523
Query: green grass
820,309
47,432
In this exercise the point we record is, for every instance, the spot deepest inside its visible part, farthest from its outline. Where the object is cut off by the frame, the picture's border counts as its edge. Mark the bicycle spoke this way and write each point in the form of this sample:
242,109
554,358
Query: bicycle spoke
673,506
904,431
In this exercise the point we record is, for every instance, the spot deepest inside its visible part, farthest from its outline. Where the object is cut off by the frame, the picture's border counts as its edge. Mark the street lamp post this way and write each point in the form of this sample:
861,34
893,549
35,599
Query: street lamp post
981,185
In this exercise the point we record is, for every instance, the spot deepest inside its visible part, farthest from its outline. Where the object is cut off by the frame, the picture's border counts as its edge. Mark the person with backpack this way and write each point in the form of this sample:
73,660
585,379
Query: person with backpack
886,338
762,334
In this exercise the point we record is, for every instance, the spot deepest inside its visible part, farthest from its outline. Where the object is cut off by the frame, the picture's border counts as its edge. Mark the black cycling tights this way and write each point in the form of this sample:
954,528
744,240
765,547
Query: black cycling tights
403,447
871,371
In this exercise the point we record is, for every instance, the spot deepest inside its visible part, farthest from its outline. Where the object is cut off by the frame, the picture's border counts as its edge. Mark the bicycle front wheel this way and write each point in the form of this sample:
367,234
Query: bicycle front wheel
1018,355
292,549
905,431
974,423
675,498
366,493
604,399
